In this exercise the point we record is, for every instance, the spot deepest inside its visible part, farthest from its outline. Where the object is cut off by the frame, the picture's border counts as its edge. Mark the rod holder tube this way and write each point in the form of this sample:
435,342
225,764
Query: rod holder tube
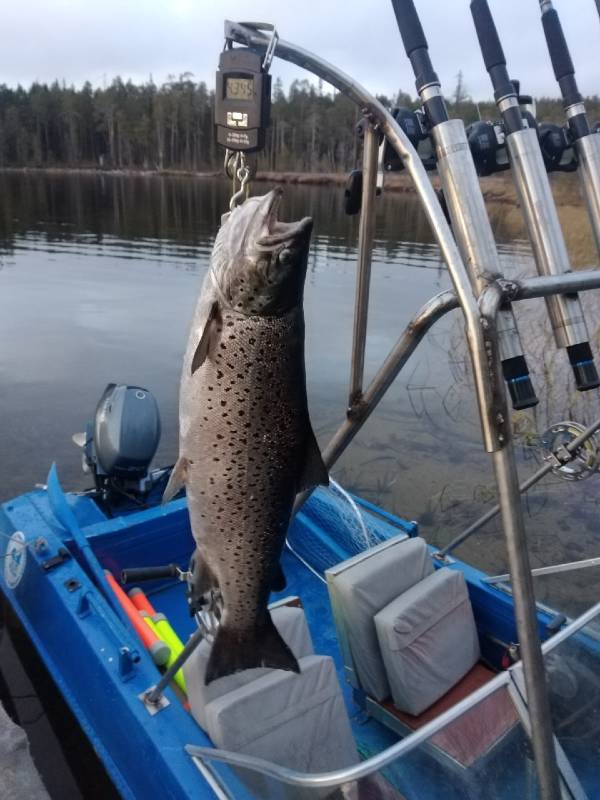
537,201
366,231
586,143
541,219
475,240
588,156
464,200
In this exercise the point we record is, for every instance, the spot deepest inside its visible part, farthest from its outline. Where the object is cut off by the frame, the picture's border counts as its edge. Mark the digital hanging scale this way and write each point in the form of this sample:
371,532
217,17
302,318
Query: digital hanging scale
242,99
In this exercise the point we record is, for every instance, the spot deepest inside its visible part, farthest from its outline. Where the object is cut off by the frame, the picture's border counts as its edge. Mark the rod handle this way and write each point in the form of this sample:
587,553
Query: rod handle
562,64
135,574
493,54
410,26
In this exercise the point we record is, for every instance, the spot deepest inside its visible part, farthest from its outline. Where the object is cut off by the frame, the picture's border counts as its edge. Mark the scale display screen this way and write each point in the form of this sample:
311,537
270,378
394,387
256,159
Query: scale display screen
239,88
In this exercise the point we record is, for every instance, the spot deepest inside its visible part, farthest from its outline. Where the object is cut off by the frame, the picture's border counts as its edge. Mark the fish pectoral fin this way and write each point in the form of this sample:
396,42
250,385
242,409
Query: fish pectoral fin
313,472
176,480
235,650
208,337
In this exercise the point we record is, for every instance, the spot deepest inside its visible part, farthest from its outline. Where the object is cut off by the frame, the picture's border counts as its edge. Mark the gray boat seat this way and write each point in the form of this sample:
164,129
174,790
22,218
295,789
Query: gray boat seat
428,640
291,624
297,721
405,630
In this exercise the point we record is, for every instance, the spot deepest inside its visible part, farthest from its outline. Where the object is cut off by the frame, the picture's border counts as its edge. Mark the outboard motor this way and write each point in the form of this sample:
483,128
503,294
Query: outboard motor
120,443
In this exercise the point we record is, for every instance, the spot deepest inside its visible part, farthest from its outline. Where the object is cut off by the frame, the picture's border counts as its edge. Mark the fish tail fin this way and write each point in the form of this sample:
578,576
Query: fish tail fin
234,650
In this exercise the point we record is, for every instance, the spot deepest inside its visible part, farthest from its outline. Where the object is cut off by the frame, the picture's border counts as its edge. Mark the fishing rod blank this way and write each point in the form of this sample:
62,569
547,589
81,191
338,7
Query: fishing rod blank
464,200
586,143
535,195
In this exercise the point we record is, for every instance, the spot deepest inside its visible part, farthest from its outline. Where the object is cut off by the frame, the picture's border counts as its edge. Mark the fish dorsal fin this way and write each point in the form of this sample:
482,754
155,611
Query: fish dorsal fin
313,472
176,480
209,334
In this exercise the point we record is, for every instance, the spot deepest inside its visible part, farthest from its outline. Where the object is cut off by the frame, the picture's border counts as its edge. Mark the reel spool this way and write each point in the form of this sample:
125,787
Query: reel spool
575,466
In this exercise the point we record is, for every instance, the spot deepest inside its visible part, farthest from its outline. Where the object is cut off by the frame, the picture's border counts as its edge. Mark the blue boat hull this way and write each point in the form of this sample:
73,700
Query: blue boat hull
98,663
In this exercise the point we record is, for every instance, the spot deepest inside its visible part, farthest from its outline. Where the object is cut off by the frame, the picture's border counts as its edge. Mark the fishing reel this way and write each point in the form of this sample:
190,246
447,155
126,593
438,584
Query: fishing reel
567,464
415,126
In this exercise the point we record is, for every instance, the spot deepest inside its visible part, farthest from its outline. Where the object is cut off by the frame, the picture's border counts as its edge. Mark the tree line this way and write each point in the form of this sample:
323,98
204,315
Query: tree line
129,126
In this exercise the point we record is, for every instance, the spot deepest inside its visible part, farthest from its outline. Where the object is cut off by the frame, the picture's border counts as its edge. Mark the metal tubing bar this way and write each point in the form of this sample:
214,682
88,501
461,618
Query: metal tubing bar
362,409
528,288
154,694
364,768
564,633
366,230
487,393
569,566
527,624
571,447
412,335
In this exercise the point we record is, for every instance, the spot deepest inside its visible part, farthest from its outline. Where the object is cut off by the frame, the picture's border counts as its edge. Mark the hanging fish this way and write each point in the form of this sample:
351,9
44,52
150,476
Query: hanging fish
246,443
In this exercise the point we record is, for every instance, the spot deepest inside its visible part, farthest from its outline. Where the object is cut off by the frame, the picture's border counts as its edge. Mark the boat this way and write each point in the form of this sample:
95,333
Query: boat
421,677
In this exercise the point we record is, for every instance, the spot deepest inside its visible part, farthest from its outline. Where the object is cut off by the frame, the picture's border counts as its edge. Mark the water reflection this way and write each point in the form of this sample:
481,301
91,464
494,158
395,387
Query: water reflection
98,278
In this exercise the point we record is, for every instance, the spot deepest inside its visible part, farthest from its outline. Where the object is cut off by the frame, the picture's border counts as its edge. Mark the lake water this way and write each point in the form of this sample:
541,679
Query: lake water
98,279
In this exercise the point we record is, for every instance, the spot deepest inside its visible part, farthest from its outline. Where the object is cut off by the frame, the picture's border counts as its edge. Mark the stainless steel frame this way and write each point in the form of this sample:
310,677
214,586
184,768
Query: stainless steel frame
480,315
554,569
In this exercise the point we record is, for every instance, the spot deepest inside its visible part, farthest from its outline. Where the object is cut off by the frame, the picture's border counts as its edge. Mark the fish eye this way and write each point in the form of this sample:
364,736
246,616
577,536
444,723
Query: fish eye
285,257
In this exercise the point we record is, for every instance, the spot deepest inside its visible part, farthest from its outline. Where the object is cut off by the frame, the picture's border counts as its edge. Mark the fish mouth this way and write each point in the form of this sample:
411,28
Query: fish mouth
279,232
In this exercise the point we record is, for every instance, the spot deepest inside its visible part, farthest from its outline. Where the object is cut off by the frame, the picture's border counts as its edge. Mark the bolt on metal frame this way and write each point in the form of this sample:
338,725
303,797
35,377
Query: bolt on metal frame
480,315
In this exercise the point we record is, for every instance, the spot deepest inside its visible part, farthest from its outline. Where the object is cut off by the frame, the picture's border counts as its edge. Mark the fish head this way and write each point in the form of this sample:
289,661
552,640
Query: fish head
259,263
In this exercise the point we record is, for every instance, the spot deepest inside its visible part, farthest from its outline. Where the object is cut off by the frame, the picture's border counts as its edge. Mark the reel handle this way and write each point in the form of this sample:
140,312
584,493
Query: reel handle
138,574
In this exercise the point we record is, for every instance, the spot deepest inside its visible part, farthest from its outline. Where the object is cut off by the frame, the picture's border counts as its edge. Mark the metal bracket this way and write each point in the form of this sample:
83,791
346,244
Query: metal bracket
155,706
62,556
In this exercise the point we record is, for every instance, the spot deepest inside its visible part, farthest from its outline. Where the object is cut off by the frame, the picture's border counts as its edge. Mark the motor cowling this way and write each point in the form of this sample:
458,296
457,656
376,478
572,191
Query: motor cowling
126,431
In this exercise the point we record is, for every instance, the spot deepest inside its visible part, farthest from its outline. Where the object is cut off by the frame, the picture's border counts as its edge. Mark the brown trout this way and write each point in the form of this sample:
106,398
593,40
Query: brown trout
246,443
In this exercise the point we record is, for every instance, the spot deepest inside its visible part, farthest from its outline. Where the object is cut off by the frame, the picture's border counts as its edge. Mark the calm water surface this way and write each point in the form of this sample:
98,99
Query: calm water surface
98,279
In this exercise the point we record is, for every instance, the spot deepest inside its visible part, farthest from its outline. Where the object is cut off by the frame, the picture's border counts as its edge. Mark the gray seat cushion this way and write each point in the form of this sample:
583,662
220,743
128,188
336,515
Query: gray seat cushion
291,624
428,640
297,721
363,589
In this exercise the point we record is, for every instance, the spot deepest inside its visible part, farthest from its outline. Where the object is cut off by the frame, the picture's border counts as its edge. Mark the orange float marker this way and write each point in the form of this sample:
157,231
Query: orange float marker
159,651
141,602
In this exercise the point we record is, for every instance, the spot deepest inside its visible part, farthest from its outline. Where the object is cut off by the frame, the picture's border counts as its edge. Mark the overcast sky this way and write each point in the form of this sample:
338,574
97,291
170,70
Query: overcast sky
78,40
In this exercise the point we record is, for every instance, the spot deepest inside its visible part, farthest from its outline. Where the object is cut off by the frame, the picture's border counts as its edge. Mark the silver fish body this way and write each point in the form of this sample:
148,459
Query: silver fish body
246,442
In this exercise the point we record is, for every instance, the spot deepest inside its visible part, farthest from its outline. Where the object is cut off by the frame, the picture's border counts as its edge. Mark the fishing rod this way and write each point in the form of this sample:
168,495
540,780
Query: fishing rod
535,195
579,132
464,200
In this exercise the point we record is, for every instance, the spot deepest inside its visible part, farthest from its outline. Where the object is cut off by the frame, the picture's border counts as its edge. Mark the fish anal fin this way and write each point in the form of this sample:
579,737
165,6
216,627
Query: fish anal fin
313,472
207,338
176,480
236,650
